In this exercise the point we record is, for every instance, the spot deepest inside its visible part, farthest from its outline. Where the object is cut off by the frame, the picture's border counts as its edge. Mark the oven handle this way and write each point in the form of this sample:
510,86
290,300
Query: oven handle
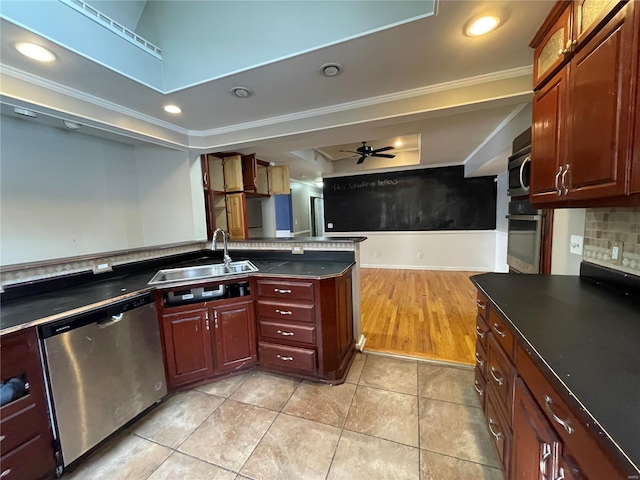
524,217
524,162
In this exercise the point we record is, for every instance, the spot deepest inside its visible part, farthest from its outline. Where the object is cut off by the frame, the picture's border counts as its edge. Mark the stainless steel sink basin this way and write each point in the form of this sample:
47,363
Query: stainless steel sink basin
218,270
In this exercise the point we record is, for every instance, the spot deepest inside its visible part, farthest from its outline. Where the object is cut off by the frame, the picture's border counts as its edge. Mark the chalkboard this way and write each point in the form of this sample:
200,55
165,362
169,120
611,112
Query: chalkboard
424,199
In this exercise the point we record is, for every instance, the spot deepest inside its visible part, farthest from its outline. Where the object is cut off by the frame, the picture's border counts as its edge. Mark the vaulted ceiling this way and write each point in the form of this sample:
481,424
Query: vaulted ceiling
406,70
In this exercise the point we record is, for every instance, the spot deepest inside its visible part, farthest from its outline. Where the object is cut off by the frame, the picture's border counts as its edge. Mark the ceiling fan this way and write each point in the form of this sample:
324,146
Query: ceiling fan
366,151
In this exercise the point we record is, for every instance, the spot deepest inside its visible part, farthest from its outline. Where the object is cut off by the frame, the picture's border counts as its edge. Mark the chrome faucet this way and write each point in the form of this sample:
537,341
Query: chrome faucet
226,258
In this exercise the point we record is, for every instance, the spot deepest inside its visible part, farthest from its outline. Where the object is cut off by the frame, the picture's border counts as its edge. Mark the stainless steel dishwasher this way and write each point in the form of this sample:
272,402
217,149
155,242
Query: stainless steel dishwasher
103,369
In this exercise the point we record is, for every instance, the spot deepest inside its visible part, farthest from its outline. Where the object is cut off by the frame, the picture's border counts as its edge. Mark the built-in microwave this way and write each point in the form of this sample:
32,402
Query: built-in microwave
519,173
519,166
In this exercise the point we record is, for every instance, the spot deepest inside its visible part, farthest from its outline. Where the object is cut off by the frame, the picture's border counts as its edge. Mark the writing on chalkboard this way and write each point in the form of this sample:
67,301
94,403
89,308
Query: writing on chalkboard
413,200
365,184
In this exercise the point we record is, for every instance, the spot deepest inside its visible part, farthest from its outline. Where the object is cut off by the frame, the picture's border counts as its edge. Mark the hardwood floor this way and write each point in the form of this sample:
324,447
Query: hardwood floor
419,313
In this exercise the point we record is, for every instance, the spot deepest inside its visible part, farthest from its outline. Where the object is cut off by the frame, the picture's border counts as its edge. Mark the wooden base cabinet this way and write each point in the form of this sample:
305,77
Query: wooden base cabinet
234,336
26,443
537,435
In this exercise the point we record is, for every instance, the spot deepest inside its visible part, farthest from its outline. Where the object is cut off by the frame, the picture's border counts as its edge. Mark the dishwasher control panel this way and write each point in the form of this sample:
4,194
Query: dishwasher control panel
185,296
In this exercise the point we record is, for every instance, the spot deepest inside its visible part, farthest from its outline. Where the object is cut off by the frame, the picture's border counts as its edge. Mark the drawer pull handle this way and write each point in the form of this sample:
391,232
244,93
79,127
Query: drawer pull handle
283,358
284,312
547,405
496,329
479,360
499,380
497,435
286,334
477,388
5,473
481,305
278,290
479,332
545,453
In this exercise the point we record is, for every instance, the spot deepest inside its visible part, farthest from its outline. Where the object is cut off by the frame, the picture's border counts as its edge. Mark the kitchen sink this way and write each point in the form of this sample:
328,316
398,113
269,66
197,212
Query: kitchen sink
200,272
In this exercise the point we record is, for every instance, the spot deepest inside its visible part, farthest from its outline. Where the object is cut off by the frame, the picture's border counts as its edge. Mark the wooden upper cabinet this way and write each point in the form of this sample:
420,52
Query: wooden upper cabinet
552,44
548,139
233,180
237,216
599,95
634,183
588,16
254,172
204,165
279,182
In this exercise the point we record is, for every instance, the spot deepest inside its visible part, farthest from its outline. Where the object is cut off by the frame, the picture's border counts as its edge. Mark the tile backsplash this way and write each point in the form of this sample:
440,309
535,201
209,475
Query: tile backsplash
603,226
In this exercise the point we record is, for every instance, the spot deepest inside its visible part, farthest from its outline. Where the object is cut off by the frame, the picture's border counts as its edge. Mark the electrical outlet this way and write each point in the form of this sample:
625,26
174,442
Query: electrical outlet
329,225
575,244
419,255
376,254
102,267
616,253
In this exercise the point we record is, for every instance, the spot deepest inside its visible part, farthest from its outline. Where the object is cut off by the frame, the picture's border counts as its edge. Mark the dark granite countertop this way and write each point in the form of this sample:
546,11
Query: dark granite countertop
54,305
586,337
300,240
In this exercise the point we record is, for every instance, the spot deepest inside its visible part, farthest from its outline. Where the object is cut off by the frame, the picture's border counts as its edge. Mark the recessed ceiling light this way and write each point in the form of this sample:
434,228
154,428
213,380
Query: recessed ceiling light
398,143
172,109
481,25
241,92
331,69
35,52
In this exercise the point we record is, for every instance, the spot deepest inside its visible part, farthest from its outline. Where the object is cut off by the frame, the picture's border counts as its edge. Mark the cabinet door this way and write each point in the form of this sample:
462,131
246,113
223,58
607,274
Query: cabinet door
204,165
249,172
547,140
262,179
598,97
187,346
535,445
568,468
233,174
279,183
634,184
553,49
210,213
588,15
216,173
237,216
235,336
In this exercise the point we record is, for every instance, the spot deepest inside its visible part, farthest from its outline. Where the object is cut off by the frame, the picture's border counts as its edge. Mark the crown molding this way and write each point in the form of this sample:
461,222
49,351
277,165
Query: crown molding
371,101
86,97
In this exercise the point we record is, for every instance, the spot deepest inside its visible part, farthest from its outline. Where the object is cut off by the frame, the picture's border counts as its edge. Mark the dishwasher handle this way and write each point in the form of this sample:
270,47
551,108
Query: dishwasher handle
111,321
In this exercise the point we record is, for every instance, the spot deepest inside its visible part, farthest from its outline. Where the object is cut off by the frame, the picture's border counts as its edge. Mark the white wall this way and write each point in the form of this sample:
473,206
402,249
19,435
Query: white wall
301,206
166,201
65,193
502,224
460,250
566,222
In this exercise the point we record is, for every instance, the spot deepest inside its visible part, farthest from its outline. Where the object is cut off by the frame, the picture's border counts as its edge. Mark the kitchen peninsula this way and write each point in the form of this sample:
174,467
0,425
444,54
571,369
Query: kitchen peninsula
295,316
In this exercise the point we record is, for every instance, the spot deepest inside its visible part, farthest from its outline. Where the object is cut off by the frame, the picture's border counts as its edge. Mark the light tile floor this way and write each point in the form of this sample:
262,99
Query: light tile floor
392,420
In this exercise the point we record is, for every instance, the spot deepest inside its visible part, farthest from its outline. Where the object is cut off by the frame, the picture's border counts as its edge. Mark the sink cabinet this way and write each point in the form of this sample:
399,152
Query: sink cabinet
26,446
234,335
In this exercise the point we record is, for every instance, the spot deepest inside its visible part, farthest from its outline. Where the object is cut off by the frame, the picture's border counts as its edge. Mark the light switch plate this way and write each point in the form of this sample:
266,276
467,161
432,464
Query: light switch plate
297,249
575,245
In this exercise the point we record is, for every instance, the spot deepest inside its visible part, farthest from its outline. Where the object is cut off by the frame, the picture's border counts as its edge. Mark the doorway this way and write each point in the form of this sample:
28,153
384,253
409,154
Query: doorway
317,216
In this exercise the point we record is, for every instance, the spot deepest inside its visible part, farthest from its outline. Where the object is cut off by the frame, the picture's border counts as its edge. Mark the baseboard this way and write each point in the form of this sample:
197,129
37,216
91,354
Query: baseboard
419,359
427,267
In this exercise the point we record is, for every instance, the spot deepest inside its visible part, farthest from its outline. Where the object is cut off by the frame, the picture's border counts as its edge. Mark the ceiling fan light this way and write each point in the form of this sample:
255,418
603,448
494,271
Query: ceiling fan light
35,52
172,109
71,125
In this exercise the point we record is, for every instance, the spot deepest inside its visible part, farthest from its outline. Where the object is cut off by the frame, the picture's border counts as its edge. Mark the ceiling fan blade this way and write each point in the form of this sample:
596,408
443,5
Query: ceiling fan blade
382,155
350,151
383,149
361,159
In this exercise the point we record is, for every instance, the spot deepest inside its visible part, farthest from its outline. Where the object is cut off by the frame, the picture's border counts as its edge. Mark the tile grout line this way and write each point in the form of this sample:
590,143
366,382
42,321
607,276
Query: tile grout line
460,458
203,422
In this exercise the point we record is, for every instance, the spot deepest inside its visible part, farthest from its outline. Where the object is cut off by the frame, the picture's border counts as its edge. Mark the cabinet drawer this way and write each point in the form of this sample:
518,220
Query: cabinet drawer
479,385
296,312
481,359
287,331
287,357
573,432
20,421
499,432
285,290
501,376
501,333
483,305
32,459
481,331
